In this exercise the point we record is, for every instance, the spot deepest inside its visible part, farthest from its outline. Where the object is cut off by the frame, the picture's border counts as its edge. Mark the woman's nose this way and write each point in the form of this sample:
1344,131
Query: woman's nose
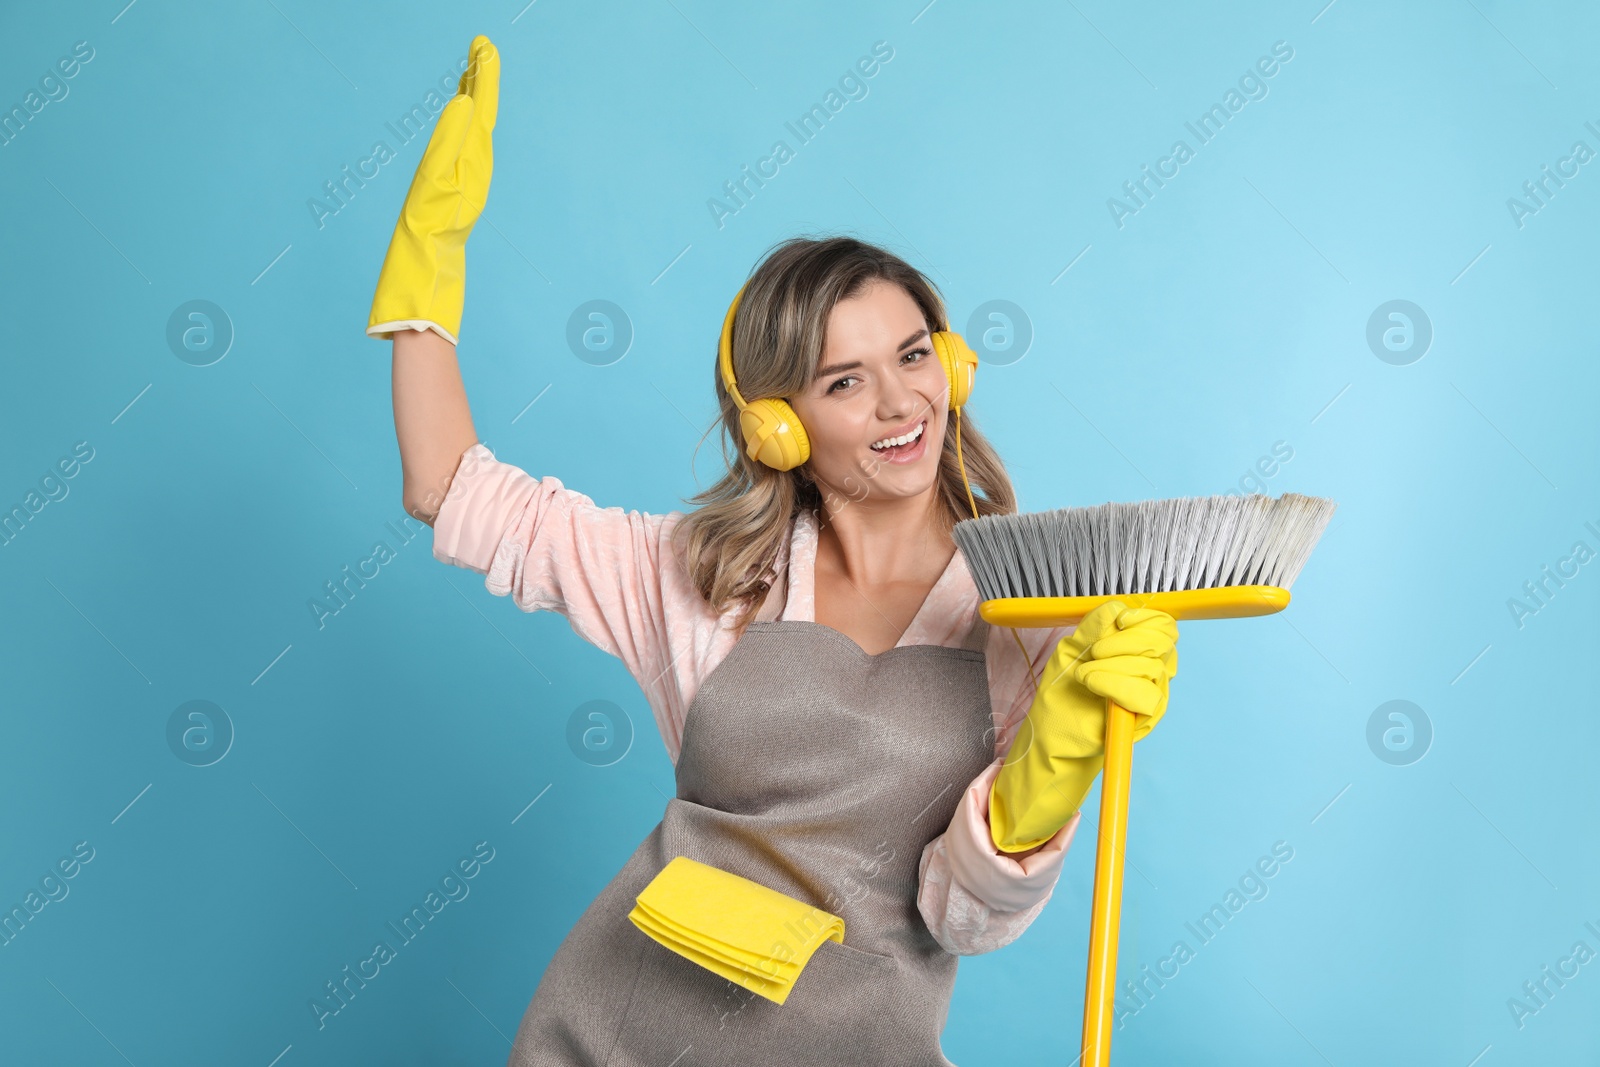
899,399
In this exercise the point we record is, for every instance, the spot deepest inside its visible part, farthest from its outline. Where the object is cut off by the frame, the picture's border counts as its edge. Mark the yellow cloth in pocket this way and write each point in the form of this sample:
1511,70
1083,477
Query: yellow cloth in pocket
748,933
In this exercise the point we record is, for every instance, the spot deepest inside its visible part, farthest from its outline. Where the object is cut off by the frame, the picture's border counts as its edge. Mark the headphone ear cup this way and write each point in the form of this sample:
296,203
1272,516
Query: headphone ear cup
773,434
960,365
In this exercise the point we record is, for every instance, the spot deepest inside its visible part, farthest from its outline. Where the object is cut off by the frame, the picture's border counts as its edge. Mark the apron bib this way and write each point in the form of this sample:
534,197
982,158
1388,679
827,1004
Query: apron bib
821,771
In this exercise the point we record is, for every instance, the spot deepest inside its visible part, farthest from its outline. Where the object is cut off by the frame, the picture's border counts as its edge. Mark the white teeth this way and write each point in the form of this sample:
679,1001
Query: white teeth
890,442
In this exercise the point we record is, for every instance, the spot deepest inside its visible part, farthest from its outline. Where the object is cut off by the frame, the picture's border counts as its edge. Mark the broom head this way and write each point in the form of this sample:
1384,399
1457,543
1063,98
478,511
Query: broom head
1209,557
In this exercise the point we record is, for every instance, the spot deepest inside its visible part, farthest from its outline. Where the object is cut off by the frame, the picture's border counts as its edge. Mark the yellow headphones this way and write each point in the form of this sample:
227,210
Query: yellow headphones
773,434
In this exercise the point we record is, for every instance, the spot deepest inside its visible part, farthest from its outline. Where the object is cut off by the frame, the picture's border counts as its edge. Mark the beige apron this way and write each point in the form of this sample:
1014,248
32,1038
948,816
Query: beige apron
820,771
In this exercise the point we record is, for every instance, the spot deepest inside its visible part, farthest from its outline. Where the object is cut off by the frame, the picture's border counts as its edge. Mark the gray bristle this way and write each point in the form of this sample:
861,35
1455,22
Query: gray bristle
1153,546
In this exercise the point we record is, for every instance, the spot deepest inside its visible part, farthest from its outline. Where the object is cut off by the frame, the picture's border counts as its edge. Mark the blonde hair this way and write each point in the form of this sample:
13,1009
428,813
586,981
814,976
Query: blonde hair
729,547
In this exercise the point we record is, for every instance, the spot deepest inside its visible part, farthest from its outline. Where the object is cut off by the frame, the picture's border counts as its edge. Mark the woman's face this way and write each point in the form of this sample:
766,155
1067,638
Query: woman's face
878,379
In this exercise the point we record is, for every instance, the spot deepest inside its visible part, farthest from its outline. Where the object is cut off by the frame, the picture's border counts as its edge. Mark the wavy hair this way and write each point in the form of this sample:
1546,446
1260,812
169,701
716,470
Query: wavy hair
730,544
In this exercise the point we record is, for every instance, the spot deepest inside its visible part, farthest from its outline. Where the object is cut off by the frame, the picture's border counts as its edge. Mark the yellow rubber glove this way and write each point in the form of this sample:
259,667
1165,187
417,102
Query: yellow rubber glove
1127,654
423,281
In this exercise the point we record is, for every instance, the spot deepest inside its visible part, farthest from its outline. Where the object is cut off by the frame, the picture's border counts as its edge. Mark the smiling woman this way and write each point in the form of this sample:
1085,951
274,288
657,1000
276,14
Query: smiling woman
808,640
843,330
812,649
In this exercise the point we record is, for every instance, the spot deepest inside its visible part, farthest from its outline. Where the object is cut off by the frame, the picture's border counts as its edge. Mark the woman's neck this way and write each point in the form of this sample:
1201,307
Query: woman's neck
880,543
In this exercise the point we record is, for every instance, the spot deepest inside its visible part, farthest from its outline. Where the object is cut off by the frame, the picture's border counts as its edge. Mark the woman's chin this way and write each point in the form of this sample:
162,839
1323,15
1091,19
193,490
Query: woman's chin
885,486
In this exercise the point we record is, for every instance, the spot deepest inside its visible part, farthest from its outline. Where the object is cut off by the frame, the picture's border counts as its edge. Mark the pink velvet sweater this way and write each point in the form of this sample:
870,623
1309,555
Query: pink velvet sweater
613,575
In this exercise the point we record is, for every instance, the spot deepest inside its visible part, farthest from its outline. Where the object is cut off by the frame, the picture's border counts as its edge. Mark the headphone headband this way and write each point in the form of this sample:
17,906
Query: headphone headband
774,435
725,349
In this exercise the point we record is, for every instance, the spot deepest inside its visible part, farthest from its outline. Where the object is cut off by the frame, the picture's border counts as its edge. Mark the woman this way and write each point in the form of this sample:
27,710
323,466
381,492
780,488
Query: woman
837,713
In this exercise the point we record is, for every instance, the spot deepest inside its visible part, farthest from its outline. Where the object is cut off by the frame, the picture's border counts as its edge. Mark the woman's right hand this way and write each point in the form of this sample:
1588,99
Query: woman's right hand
423,281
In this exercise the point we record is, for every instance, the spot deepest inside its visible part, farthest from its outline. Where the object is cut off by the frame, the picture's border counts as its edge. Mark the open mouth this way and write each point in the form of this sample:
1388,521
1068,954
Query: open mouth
904,448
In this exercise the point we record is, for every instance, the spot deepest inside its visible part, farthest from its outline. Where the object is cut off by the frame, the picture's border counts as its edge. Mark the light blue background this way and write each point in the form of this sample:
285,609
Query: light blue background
1228,315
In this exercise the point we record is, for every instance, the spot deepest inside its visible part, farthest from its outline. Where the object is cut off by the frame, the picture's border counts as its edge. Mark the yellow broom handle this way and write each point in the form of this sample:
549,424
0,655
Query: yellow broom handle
1099,999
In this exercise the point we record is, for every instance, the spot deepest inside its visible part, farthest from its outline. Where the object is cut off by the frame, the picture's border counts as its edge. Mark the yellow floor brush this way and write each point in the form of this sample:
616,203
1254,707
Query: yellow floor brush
1216,557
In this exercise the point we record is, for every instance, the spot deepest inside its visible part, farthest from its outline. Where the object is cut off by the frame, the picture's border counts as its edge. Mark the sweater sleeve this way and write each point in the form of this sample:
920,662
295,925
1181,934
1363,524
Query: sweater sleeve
974,897
607,571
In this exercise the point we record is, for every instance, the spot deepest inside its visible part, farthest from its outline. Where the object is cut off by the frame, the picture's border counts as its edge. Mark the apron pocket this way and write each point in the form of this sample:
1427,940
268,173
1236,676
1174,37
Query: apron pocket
855,958
847,1006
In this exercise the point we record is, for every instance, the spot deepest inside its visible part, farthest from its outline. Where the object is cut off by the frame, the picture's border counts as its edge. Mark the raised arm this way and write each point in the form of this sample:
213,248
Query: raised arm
422,286
432,421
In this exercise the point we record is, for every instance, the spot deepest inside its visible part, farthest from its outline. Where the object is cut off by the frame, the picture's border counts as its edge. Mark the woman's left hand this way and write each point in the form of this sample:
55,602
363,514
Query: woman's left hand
1134,664
1126,654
